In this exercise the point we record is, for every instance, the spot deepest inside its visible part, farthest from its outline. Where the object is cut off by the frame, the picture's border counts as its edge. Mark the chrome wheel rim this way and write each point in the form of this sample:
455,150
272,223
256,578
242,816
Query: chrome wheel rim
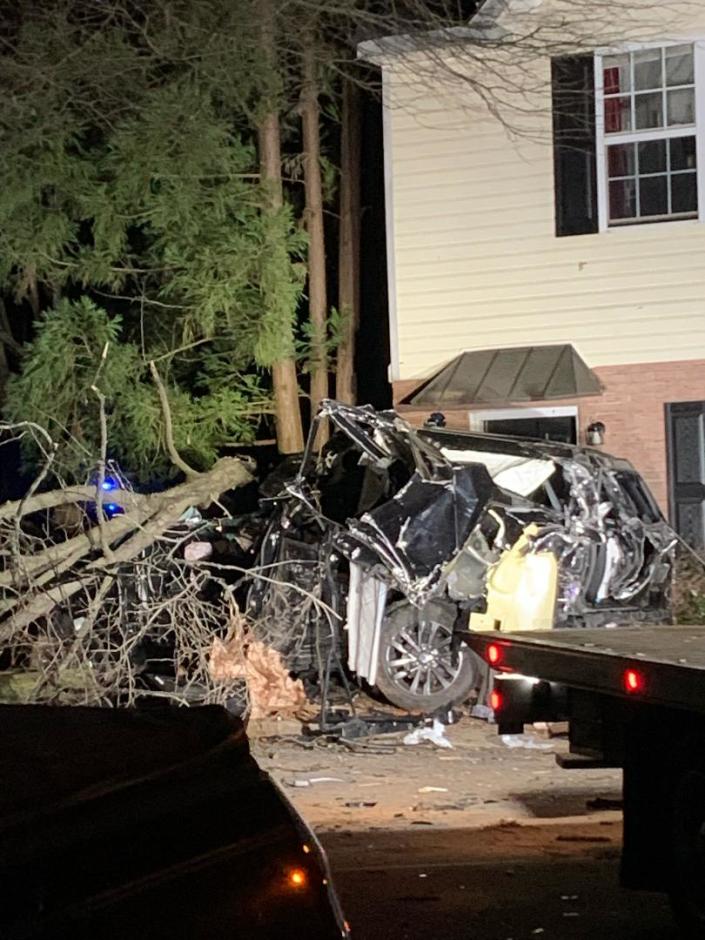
420,658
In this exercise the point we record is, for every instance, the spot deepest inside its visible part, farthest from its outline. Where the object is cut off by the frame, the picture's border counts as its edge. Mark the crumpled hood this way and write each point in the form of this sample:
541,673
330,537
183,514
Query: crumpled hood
421,528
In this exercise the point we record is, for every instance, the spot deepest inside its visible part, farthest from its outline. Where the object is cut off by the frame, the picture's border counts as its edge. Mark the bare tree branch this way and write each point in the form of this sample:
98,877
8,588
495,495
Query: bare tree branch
176,458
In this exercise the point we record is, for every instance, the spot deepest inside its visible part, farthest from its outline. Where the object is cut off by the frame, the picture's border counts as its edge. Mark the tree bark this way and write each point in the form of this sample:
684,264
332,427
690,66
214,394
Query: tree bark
7,342
317,300
349,243
154,514
287,410
4,372
33,290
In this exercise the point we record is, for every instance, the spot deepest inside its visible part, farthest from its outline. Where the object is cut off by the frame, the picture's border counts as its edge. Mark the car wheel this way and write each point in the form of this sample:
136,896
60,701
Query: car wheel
688,893
418,669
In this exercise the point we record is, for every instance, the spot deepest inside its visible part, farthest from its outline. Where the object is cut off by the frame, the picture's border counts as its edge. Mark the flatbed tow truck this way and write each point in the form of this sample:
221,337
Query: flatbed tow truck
634,698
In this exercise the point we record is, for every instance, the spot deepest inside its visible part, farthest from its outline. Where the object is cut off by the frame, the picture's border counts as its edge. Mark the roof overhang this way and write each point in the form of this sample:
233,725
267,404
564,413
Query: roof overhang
487,24
505,376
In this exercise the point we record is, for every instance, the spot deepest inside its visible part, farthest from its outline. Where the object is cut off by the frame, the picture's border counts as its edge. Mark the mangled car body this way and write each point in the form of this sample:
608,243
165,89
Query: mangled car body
392,540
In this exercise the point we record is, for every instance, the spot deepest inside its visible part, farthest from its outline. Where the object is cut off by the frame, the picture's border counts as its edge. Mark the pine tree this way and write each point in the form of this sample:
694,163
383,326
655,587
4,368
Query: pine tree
129,187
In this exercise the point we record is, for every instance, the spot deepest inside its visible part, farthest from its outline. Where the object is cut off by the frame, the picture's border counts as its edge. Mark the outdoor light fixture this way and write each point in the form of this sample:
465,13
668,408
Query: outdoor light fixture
436,420
595,433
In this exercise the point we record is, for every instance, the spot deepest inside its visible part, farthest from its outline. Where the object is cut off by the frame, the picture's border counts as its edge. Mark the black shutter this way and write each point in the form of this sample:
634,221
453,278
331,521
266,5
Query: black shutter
574,145
685,422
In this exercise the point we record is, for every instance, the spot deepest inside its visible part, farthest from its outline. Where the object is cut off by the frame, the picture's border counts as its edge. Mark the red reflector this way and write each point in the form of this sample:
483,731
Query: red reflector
494,654
634,681
495,700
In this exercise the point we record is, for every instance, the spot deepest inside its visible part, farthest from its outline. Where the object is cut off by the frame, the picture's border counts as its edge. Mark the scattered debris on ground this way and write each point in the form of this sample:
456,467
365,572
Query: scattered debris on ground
479,783
435,734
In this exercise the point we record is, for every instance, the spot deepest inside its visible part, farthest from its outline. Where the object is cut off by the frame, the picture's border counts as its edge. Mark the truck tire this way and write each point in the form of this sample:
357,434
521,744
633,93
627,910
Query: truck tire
688,891
418,669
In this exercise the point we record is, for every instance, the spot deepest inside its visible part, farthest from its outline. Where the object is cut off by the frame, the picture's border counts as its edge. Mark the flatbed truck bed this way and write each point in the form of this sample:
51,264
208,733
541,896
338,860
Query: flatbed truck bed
634,698
669,659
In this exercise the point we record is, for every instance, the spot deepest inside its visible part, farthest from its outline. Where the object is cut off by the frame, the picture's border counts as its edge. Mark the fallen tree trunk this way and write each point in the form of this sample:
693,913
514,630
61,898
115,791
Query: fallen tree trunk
38,582
45,501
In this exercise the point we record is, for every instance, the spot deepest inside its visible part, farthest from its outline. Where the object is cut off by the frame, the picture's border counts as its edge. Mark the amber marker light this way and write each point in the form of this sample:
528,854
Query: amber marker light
297,878
495,700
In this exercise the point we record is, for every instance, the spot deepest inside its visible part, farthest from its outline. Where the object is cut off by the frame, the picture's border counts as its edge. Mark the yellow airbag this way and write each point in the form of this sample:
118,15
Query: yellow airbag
521,589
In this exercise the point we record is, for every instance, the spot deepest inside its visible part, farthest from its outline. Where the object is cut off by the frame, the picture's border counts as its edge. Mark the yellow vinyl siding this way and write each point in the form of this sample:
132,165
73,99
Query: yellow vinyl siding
476,261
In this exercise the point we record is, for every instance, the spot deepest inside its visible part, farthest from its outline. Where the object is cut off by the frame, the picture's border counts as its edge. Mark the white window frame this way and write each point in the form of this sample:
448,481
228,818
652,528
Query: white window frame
476,419
602,140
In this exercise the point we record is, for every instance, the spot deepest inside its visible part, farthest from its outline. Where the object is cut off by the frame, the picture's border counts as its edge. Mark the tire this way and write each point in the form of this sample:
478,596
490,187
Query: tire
688,892
418,670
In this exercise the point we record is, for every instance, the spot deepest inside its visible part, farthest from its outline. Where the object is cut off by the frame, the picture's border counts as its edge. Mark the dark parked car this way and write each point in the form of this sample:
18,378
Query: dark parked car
384,547
150,824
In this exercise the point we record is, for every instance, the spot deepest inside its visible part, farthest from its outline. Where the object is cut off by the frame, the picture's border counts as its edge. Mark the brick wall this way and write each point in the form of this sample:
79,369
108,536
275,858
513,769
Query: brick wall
631,407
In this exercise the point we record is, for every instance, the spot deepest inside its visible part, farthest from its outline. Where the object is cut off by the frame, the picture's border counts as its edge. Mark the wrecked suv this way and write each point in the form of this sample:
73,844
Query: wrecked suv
389,543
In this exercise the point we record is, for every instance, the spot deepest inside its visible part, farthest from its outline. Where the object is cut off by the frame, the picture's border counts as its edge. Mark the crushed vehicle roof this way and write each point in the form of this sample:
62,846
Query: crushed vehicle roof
521,446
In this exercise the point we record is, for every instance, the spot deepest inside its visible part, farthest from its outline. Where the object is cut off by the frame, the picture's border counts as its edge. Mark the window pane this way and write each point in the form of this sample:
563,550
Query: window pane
623,199
647,69
620,160
649,110
679,65
616,74
618,114
646,91
683,153
684,192
652,157
681,106
653,195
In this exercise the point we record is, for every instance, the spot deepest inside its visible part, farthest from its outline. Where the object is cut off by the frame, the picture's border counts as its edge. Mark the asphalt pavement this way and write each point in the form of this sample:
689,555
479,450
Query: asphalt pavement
395,886
488,839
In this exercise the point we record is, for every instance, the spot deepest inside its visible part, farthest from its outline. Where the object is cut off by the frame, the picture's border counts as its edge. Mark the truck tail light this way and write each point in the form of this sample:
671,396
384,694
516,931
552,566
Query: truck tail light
494,654
496,700
634,681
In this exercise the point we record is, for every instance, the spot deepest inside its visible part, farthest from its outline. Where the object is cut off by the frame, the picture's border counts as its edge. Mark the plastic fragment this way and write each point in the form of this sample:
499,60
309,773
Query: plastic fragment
435,734
525,740
482,711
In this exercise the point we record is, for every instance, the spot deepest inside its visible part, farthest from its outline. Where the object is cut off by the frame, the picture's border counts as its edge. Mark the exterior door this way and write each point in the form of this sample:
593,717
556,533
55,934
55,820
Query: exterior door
685,424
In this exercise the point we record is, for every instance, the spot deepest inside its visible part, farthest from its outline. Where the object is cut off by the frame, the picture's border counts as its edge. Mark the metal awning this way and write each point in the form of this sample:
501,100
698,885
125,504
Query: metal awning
502,376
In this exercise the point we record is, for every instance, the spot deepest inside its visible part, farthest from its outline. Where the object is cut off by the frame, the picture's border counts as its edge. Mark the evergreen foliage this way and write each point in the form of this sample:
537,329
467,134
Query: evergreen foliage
78,348
129,187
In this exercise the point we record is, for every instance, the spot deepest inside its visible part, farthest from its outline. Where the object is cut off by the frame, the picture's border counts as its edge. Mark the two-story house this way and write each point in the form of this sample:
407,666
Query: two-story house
546,246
